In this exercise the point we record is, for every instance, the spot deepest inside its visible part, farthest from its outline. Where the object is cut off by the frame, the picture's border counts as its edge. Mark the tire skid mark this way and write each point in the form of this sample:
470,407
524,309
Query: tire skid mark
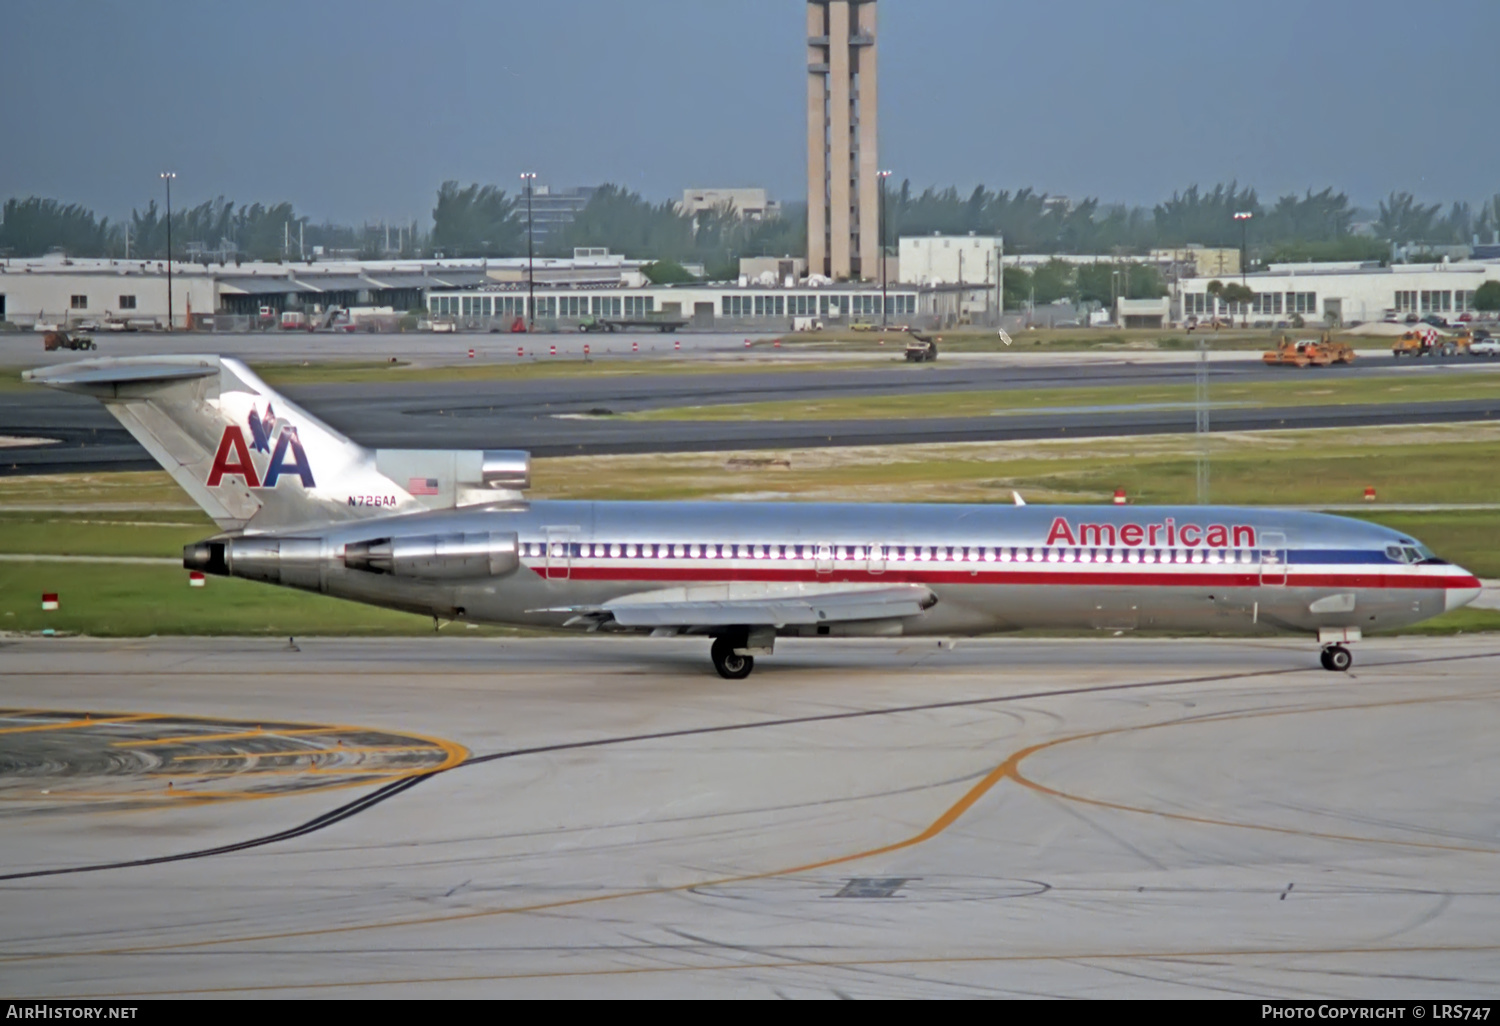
853,963
1006,769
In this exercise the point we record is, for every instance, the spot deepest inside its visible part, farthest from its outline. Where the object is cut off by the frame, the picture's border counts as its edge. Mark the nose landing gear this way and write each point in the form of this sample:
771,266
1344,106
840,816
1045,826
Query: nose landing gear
1337,658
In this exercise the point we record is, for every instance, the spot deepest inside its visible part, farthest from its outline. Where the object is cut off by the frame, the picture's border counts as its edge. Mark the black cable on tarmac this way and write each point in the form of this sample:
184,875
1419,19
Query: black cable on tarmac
391,790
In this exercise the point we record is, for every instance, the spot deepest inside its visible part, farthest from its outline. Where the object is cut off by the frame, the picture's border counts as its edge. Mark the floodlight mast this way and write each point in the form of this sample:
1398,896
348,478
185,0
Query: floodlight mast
529,177
167,177
884,256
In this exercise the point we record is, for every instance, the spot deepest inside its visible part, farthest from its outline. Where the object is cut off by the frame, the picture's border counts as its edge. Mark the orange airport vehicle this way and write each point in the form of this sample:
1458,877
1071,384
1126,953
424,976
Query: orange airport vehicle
1308,352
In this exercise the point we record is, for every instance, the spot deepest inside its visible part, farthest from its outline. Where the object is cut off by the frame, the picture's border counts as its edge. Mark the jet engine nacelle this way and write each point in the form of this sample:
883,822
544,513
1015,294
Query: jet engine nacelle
304,562
297,562
439,557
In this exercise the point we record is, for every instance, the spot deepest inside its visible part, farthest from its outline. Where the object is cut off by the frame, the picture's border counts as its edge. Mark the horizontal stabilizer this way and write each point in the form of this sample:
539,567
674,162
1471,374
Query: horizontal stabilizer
104,377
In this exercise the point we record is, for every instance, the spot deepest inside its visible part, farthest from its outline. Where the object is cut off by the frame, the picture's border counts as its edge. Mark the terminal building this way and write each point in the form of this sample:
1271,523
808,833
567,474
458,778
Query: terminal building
133,293
1340,294
706,307
959,283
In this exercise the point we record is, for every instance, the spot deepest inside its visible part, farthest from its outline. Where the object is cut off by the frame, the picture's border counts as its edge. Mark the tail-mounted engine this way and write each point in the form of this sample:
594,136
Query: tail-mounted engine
305,562
441,557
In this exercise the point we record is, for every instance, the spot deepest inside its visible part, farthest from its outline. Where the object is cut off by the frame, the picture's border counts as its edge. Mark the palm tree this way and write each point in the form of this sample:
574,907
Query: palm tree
1216,290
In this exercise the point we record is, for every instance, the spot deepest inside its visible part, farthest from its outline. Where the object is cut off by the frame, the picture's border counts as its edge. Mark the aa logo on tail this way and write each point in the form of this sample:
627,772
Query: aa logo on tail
234,459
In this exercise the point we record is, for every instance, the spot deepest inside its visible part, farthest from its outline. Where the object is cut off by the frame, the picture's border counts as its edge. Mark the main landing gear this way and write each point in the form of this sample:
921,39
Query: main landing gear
1337,658
730,665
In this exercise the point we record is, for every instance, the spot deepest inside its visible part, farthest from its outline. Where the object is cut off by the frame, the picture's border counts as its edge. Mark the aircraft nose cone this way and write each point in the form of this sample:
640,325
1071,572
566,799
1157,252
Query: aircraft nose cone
1457,598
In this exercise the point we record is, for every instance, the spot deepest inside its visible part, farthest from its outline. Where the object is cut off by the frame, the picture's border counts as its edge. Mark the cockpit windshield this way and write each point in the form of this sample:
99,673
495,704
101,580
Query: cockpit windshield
1411,552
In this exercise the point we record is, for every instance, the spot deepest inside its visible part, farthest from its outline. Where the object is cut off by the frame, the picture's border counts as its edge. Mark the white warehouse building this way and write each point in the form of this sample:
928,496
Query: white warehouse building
1341,294
935,261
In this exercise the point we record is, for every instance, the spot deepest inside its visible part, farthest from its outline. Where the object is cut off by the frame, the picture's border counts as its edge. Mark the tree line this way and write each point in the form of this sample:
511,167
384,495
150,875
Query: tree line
484,220
217,228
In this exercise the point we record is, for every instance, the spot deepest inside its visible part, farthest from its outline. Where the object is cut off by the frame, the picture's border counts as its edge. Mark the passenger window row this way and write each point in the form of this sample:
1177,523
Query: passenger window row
888,554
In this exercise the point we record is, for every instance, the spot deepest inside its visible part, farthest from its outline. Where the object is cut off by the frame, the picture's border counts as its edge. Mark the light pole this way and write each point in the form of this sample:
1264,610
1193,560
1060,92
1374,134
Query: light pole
167,177
529,177
1243,217
884,305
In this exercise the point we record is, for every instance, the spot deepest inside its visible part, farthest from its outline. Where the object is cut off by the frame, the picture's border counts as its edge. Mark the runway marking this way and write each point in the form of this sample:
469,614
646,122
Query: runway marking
77,724
290,771
763,966
185,792
257,732
1006,769
346,749
1015,774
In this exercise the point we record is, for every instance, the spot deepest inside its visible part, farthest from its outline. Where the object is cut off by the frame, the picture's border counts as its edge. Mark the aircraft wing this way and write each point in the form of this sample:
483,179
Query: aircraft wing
745,604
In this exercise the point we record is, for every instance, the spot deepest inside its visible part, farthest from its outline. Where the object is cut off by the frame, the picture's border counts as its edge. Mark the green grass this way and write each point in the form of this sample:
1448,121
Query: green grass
105,600
135,489
138,533
1418,465
1300,388
1470,538
1074,340
1460,621
621,363
527,369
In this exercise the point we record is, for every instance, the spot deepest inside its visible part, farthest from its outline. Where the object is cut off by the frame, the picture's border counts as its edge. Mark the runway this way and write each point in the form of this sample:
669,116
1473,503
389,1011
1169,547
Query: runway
1101,818
570,416
24,349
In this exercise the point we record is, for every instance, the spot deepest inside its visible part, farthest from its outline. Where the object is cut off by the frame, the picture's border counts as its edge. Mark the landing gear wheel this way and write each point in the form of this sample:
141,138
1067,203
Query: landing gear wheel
1337,658
729,665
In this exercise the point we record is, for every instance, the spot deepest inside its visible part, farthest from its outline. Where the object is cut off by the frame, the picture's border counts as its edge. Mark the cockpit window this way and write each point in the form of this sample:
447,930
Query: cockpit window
1411,553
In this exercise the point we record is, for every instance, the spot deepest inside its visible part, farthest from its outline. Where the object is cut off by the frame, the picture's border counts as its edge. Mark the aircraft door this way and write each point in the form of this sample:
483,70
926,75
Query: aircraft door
823,558
1273,558
559,565
877,559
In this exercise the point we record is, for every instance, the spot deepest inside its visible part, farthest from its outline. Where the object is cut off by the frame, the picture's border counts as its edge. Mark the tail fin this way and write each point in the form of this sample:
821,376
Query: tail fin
256,461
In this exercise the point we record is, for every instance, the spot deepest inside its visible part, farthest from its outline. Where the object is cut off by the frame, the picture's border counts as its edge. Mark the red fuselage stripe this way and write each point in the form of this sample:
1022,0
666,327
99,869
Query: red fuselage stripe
1079,578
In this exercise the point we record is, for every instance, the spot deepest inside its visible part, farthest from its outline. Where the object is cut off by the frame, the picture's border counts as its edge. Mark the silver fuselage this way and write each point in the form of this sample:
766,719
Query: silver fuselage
992,568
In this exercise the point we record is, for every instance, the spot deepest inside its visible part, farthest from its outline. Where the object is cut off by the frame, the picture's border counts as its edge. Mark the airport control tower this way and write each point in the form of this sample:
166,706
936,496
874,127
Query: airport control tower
843,185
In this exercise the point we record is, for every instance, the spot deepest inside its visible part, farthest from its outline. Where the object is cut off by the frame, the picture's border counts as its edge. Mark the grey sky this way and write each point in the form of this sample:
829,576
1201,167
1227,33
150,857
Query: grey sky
358,109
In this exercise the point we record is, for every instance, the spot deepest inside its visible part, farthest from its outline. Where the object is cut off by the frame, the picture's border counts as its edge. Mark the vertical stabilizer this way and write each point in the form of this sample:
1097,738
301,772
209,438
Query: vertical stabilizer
251,458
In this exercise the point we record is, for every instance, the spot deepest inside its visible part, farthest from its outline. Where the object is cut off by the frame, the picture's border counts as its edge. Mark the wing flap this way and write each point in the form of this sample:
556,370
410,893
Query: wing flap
748,604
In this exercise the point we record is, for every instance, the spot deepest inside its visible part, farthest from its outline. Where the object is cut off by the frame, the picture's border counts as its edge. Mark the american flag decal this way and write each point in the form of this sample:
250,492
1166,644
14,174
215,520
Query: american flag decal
422,486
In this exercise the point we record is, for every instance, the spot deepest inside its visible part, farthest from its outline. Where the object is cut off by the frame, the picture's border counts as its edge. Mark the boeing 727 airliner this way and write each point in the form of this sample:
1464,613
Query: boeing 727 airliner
450,534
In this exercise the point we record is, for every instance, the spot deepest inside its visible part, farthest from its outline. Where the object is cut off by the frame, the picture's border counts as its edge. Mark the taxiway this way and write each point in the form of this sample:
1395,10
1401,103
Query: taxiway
573,415
602,818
